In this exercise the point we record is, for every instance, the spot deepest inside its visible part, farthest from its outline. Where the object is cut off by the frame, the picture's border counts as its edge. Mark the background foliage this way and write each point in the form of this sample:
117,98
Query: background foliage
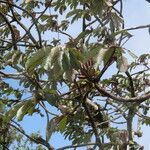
92,108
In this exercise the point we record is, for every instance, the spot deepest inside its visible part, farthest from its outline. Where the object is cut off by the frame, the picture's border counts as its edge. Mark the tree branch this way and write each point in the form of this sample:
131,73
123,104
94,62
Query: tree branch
38,141
76,146
92,123
136,28
138,99
11,29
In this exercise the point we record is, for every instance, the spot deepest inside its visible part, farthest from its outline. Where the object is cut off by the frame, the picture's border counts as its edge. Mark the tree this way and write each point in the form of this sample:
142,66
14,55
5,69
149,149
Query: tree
93,105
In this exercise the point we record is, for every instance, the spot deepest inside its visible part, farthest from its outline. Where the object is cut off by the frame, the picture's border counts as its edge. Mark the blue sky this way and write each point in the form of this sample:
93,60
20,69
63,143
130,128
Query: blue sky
136,12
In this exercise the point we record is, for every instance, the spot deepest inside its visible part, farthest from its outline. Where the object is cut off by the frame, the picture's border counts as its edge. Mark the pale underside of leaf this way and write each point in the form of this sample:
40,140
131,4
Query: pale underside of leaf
100,57
55,56
123,64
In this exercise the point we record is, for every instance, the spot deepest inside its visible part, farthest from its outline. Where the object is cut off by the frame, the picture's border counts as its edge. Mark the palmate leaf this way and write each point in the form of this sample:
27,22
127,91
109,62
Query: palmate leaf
37,58
62,61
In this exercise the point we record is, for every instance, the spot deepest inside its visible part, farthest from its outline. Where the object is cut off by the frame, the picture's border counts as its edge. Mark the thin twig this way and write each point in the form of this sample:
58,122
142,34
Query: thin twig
42,105
136,28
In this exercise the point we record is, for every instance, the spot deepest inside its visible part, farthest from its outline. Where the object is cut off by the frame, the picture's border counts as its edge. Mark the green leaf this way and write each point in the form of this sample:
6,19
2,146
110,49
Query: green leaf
108,55
62,124
27,1
147,121
117,20
23,110
45,17
83,35
12,112
73,12
37,58
66,61
124,32
75,58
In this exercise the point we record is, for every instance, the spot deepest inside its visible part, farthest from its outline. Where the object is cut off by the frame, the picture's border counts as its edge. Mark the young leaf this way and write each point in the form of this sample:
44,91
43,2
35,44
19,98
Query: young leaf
122,64
53,57
100,57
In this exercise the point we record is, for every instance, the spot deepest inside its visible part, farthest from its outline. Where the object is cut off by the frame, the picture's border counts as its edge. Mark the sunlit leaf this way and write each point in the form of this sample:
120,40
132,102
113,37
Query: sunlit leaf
75,58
